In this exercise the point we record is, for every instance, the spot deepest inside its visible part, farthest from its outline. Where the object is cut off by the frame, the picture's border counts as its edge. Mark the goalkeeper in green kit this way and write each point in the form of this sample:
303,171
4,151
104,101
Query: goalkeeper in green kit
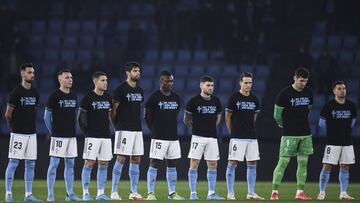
291,114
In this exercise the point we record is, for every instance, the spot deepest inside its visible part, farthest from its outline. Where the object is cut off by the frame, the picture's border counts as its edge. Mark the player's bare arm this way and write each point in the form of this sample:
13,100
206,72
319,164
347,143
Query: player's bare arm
228,120
9,113
218,119
82,120
113,111
187,119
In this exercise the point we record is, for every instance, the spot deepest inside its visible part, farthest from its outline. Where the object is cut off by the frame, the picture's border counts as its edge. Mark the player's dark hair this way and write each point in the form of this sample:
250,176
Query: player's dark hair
26,65
97,74
302,72
206,78
130,65
165,73
339,82
65,70
246,75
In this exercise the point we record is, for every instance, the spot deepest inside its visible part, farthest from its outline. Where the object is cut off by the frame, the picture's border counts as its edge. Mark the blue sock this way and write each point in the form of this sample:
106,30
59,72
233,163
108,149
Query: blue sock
344,179
69,175
151,179
211,177
85,178
193,175
101,177
29,175
51,175
323,179
134,174
230,177
171,177
9,175
251,178
116,174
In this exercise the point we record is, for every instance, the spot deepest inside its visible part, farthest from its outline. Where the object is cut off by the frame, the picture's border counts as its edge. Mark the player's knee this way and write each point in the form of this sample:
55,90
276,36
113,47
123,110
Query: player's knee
284,161
212,164
14,162
121,159
233,162
251,163
171,162
194,163
154,163
30,164
69,162
103,163
54,161
135,159
344,166
89,163
327,167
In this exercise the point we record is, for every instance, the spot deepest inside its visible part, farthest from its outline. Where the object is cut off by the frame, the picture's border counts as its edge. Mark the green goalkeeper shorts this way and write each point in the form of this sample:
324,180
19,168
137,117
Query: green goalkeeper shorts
296,145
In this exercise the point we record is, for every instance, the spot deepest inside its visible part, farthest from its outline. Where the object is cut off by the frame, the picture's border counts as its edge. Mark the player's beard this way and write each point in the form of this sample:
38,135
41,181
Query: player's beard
135,78
30,81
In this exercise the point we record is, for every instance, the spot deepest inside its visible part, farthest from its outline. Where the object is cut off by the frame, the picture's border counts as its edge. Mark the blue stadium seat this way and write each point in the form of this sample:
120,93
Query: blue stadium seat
167,56
47,84
214,70
87,42
148,9
179,85
230,70
38,27
70,42
84,56
51,56
352,86
317,42
192,85
53,41
217,55
225,85
72,27
162,67
319,101
346,57
123,26
113,83
355,71
259,86
262,72
196,70
180,71
224,97
183,56
187,96
200,56
320,27
147,84
148,70
37,41
55,26
151,56
67,56
88,27
246,68
99,43
350,42
334,42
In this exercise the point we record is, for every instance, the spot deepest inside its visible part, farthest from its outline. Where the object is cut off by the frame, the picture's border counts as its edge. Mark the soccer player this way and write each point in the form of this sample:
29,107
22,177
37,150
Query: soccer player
161,111
94,120
240,117
60,118
128,97
203,115
291,113
338,117
21,117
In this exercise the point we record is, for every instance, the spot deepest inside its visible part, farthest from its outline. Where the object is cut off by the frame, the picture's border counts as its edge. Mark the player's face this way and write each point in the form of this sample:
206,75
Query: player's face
207,87
28,75
66,80
340,91
166,82
101,83
246,84
134,74
300,82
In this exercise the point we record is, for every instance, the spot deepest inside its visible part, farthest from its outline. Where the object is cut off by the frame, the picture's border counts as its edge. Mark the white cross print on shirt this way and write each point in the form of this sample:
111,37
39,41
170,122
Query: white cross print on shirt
61,103
22,101
292,100
238,104
94,105
128,96
160,105
199,109
333,114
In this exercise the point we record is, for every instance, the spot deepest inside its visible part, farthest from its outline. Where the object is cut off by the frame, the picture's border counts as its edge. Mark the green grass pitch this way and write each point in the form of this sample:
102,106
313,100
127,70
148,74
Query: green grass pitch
287,190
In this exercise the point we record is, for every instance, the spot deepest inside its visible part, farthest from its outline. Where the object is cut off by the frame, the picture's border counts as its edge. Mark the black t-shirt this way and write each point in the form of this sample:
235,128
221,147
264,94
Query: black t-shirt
164,110
204,115
63,106
338,121
24,102
97,108
295,115
128,112
243,109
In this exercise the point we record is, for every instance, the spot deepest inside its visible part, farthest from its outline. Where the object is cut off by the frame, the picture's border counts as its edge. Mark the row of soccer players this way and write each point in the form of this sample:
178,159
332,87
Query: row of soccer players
203,114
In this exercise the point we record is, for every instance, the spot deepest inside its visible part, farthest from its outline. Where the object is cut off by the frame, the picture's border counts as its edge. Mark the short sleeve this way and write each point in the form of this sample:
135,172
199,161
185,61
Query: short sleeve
84,104
50,104
281,99
324,113
231,104
190,106
149,104
13,99
118,94
218,106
